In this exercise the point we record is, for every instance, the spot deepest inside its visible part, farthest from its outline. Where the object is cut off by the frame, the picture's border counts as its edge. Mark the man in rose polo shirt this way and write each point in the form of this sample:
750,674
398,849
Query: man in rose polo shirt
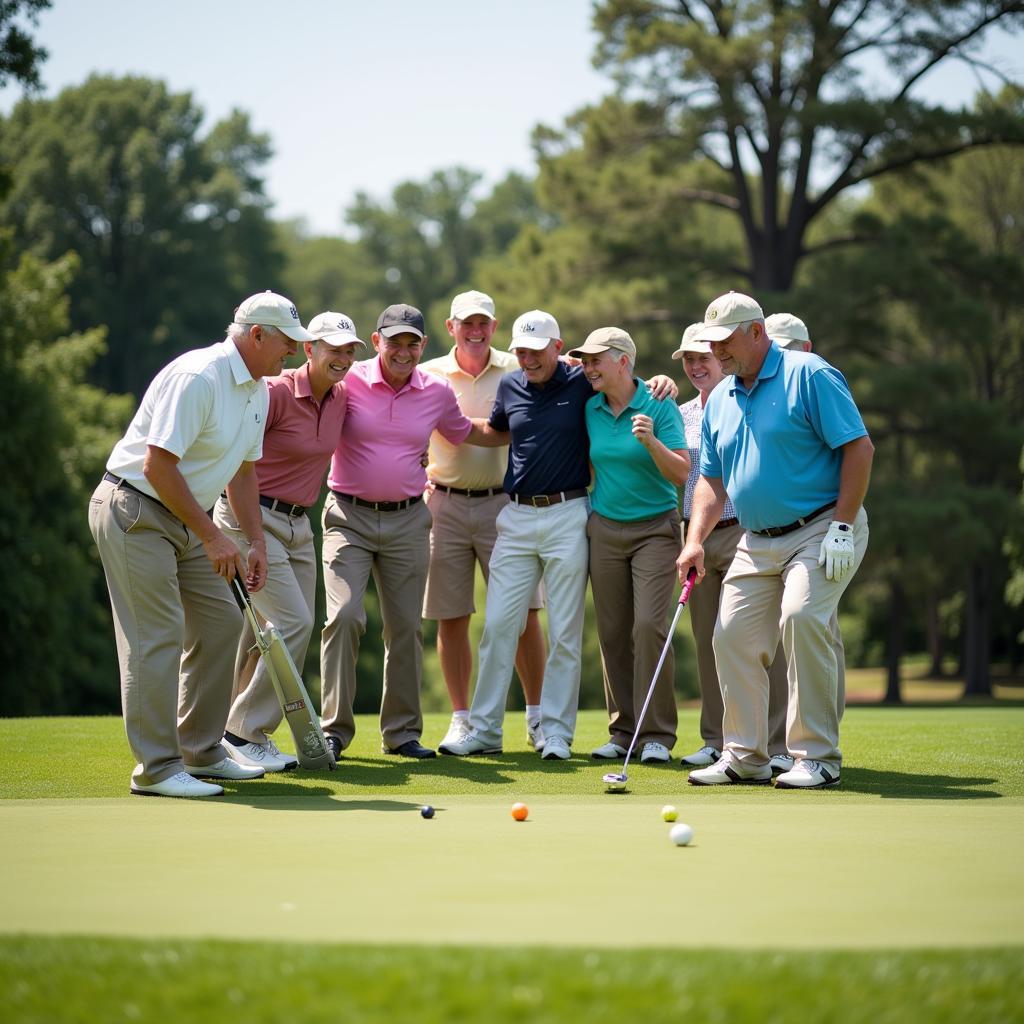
375,520
307,409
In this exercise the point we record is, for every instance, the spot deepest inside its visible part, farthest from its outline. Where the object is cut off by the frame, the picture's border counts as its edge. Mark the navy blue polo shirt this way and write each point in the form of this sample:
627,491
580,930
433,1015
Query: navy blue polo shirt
549,451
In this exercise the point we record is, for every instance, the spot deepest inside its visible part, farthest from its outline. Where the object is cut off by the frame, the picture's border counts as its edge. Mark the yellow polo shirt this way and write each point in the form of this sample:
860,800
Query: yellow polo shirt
467,465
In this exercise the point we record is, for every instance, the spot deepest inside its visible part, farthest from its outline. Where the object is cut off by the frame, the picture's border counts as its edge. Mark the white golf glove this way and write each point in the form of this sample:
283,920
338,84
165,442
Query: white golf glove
837,551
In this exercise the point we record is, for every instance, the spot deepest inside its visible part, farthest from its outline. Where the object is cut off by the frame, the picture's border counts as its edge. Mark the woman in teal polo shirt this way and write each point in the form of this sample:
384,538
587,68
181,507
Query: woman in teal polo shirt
639,457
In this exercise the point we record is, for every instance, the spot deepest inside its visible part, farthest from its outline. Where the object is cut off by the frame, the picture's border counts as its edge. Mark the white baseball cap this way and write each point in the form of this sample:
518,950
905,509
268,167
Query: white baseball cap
688,344
785,330
466,304
535,330
272,310
334,328
726,313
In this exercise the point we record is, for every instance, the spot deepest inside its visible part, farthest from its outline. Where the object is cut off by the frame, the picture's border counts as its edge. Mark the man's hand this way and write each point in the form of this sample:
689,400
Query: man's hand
224,556
256,576
837,551
662,387
692,555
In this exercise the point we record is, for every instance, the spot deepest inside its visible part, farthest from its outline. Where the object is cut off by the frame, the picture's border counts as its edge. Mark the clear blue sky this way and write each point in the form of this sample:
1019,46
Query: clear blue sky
362,94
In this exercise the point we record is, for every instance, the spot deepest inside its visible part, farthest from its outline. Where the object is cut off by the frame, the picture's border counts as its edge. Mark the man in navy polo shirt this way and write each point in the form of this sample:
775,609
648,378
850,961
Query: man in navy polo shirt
542,533
783,439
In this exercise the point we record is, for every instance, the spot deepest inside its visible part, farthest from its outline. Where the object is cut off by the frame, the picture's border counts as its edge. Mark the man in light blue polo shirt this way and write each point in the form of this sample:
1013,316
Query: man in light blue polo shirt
784,441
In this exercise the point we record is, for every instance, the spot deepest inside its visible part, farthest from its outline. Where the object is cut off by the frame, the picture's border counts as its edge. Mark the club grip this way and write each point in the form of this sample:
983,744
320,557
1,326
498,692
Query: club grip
691,579
240,594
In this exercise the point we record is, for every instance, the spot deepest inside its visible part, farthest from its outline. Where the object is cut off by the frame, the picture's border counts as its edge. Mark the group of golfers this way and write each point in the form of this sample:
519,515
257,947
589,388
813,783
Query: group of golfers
547,466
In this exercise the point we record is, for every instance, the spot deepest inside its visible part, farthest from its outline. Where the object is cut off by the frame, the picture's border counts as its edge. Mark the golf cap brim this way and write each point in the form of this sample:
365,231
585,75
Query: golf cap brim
295,333
530,341
395,329
716,332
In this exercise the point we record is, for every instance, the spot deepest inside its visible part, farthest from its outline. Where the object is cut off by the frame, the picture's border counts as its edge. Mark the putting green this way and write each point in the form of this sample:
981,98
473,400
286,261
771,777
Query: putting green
587,871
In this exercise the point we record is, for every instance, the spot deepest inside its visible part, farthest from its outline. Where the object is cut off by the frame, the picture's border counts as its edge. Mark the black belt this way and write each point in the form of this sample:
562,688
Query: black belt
543,500
486,492
119,481
722,524
282,506
781,531
378,506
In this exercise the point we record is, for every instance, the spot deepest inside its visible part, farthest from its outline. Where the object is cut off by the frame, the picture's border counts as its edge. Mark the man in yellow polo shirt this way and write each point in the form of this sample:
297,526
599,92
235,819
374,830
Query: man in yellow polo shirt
464,498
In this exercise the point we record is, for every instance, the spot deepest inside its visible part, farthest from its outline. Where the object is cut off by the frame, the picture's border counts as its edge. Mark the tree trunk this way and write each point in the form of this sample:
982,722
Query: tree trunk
894,642
977,631
935,669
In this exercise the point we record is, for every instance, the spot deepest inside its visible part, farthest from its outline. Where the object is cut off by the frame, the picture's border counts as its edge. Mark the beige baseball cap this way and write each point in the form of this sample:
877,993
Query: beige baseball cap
606,339
785,330
726,313
688,344
467,304
534,329
334,328
272,310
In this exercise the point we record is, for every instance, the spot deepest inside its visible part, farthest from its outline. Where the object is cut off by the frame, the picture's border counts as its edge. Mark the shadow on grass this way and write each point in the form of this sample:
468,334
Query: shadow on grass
303,800
908,786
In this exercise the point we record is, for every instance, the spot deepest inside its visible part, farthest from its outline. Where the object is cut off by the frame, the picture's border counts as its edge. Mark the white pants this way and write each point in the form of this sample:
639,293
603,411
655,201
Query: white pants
768,573
534,543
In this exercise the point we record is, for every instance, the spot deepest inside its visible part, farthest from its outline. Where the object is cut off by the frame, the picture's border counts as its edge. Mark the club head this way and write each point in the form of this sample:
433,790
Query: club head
616,782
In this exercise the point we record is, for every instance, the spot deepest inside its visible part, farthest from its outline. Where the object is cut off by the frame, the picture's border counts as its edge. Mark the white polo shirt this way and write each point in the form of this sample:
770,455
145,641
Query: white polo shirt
205,408
467,465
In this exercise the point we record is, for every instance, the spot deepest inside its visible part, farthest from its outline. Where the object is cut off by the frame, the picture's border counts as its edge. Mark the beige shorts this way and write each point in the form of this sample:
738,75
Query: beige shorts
463,534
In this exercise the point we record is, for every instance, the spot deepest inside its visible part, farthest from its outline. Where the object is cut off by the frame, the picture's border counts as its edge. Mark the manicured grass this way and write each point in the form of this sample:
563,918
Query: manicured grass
903,752
96,980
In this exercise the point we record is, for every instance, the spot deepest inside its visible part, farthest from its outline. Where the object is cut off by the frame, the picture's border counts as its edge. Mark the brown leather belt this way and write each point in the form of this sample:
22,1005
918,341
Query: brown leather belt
781,531
378,506
544,500
486,492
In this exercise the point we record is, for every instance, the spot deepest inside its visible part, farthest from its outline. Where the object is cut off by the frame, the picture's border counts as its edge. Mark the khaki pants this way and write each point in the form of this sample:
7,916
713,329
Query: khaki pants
288,600
395,548
632,576
175,624
766,574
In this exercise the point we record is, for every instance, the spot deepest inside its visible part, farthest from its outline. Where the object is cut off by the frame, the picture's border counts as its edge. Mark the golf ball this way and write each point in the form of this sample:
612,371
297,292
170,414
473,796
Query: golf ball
680,834
427,811
669,813
520,811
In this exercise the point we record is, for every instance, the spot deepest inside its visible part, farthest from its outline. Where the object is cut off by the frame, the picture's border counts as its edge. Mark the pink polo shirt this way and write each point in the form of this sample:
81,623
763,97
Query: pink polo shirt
300,437
386,432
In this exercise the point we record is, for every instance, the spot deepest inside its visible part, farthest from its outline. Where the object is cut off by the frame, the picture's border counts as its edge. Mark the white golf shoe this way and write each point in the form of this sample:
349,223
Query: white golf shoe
702,758
226,768
655,753
535,734
180,785
290,760
458,730
609,751
782,762
727,772
556,749
808,774
254,755
469,745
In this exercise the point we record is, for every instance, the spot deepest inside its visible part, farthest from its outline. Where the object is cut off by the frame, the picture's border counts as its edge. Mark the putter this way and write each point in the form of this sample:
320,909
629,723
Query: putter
616,781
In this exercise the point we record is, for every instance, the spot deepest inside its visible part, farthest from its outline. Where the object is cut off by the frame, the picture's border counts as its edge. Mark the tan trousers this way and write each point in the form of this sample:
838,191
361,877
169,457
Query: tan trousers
395,547
766,574
175,625
632,576
719,550
288,600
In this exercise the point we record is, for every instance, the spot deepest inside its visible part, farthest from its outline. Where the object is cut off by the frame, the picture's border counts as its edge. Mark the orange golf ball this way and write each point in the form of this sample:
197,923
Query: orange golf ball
520,811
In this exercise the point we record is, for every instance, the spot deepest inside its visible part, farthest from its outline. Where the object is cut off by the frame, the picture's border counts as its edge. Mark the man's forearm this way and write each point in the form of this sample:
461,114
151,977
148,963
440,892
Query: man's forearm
854,476
706,509
485,436
244,497
161,470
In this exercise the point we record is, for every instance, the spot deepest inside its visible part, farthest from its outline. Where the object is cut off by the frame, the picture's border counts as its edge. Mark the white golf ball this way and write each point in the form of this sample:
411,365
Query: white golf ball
680,834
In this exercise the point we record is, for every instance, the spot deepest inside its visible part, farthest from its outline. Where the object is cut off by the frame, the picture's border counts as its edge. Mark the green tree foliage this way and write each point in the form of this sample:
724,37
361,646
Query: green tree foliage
170,224
765,111
20,57
58,654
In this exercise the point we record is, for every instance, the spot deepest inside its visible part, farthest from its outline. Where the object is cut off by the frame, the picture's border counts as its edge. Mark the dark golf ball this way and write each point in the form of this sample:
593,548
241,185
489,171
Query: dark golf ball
427,811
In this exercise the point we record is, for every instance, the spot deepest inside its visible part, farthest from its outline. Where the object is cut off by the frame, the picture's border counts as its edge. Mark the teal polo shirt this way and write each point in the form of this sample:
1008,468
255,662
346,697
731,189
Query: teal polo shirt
776,446
627,484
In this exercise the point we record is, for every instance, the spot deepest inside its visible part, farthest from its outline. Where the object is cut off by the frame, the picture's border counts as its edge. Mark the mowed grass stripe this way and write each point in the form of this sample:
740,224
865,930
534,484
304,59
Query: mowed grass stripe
82,981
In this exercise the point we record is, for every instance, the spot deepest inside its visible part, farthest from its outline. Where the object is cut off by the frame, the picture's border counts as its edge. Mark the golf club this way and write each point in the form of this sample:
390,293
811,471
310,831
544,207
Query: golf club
616,781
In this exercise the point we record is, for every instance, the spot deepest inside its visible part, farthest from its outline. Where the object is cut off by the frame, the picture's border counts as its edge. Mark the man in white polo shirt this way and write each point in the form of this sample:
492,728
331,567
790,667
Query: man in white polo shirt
168,566
464,498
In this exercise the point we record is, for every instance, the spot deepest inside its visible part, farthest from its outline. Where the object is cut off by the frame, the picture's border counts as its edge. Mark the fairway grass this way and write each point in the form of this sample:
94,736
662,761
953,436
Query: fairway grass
894,897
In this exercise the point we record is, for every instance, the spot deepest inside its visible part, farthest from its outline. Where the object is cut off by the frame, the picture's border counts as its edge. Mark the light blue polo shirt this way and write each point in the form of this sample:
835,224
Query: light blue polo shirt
775,447
627,484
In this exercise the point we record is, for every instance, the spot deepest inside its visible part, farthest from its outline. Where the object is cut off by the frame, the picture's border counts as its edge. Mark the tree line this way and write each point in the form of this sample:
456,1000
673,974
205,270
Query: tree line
740,146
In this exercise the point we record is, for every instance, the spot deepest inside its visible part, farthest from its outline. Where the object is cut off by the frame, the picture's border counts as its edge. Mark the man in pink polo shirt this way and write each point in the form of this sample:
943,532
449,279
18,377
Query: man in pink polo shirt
375,520
307,409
